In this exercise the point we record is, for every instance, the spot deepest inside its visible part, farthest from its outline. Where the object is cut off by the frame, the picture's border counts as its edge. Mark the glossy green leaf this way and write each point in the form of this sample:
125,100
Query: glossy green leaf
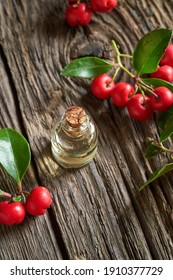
14,153
86,67
165,118
150,50
167,132
165,123
165,169
157,83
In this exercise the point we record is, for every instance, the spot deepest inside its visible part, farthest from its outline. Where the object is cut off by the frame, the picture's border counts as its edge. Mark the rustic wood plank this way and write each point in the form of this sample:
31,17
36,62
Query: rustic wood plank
98,208
35,238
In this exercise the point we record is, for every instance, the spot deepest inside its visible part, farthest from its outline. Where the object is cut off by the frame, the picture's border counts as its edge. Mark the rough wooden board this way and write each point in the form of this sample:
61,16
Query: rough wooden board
35,238
98,209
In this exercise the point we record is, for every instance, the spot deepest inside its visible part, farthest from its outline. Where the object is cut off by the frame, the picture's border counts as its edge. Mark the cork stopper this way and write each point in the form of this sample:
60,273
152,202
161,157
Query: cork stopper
75,116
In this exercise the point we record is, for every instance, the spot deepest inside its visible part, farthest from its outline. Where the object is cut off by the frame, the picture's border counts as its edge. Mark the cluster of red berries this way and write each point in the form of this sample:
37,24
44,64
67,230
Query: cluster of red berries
79,13
37,202
140,106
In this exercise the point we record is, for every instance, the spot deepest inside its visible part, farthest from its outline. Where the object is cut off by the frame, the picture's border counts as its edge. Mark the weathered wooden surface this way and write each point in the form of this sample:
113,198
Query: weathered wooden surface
98,211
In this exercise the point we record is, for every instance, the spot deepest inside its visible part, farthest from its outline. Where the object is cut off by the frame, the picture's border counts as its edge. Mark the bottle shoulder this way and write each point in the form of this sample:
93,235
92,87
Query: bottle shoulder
71,142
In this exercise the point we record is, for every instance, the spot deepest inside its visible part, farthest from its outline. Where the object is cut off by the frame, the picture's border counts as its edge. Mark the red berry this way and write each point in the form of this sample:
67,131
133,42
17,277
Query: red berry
164,72
11,212
122,93
139,107
102,86
162,99
103,6
78,14
167,58
38,201
72,1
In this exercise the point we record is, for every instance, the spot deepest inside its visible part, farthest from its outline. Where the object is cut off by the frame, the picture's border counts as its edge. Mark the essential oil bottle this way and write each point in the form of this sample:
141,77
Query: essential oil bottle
74,142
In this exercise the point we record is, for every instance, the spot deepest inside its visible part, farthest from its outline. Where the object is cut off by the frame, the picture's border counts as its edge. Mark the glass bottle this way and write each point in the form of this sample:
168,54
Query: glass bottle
74,142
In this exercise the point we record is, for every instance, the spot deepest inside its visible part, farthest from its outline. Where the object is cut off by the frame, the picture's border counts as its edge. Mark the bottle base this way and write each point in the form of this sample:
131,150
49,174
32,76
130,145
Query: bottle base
74,162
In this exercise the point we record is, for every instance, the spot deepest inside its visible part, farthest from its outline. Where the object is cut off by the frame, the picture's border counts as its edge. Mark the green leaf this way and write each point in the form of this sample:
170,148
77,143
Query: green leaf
154,148
150,50
86,67
165,118
14,153
157,83
167,132
166,168
166,124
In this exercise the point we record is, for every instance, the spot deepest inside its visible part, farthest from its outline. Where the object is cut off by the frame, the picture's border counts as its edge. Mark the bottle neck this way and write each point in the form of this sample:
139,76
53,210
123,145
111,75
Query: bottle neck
74,131
75,121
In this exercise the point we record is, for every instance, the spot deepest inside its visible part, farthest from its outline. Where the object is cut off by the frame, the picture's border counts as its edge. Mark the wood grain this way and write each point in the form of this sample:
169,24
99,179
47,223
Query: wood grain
33,238
98,211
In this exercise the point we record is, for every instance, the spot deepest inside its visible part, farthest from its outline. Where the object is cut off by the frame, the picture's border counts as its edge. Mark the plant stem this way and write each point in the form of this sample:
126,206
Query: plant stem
19,187
126,55
5,194
141,89
127,71
136,88
118,55
143,94
145,86
115,74
168,151
116,52
26,192
76,4
162,147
